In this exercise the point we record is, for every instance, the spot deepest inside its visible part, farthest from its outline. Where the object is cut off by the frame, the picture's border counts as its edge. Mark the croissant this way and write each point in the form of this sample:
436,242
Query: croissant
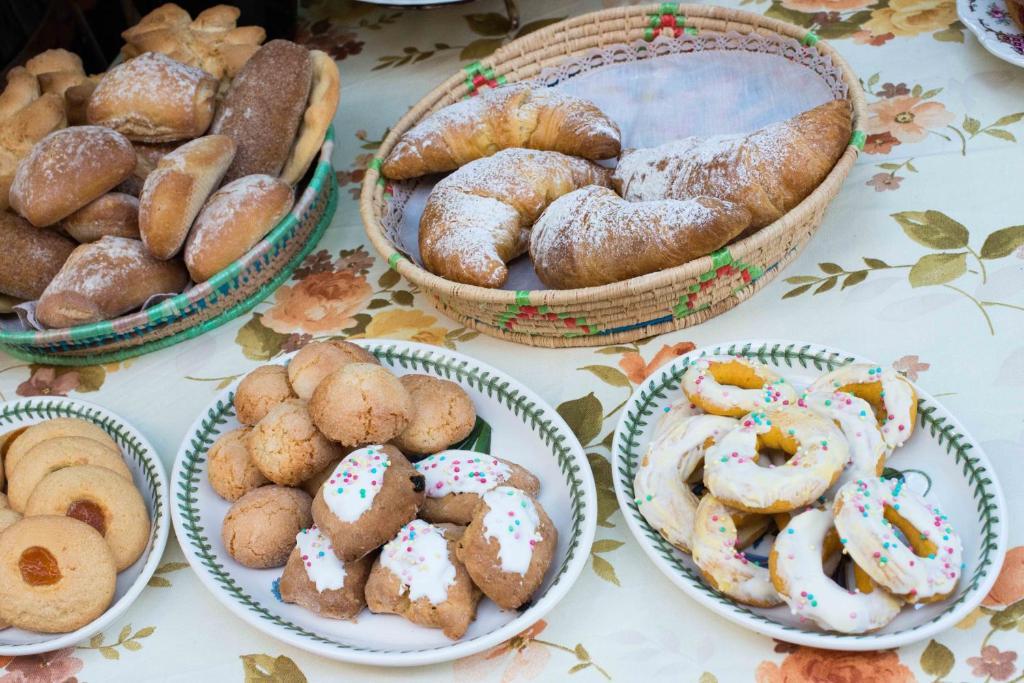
477,219
592,236
768,171
512,116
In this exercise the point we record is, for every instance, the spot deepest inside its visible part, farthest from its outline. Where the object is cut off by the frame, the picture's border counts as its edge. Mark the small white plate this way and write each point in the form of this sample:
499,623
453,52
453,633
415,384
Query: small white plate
523,429
151,480
993,27
941,460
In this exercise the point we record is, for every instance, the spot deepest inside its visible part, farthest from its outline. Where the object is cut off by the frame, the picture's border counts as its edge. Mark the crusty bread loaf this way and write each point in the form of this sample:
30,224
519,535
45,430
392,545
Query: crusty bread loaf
29,257
104,279
177,189
25,118
76,101
115,214
323,102
68,169
264,107
235,218
147,156
153,98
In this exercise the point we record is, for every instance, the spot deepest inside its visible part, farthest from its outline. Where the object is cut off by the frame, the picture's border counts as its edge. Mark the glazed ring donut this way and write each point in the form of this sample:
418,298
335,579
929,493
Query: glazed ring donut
662,495
726,569
795,563
818,451
680,408
735,387
888,392
868,514
856,421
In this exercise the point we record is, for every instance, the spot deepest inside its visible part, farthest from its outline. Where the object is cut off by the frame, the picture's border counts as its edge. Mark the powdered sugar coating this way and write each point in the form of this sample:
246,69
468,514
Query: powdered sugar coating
94,268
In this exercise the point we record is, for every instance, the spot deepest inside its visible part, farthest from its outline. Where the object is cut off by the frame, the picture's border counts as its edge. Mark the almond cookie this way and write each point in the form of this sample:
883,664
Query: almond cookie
360,404
230,468
260,528
372,493
261,390
315,361
57,574
456,480
316,579
419,576
286,446
20,443
103,500
313,484
54,454
509,546
442,414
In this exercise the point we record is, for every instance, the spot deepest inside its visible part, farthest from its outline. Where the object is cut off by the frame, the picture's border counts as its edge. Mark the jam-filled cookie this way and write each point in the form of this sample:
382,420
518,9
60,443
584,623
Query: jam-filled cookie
261,390
102,499
287,447
456,480
372,493
316,579
57,574
230,468
361,404
259,529
317,360
21,442
508,546
442,414
54,454
8,517
418,576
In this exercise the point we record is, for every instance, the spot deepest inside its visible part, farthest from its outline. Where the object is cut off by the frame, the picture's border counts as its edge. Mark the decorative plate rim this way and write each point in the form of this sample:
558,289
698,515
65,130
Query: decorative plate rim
994,46
525,404
135,444
665,557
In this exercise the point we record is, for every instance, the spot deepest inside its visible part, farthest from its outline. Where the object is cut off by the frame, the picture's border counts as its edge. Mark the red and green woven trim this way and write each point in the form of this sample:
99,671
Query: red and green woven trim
375,164
522,310
669,19
477,76
722,265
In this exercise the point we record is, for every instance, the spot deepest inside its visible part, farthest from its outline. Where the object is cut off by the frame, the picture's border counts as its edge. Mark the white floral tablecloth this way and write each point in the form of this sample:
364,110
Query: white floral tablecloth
918,265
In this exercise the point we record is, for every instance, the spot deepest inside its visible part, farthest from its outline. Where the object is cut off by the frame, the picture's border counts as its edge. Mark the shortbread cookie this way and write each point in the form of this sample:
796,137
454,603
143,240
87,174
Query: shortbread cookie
20,443
261,390
230,468
286,446
315,361
313,484
456,480
442,414
371,494
54,454
316,579
361,404
105,501
8,517
260,528
57,574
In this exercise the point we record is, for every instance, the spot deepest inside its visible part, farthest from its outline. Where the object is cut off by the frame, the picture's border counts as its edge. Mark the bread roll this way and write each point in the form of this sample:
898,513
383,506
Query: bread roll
30,257
264,107
147,156
26,117
68,169
237,216
104,279
323,102
175,192
76,102
153,98
115,214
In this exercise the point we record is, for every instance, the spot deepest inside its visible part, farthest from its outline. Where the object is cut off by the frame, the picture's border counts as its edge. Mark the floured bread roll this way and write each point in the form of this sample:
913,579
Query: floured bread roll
26,117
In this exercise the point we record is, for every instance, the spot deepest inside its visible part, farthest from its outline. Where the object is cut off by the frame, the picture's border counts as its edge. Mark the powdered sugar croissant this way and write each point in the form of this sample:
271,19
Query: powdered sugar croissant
512,116
768,171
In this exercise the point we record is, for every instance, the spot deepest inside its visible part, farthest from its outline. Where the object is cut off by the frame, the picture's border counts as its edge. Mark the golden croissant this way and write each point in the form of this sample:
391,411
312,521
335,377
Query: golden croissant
477,219
768,171
593,237
512,116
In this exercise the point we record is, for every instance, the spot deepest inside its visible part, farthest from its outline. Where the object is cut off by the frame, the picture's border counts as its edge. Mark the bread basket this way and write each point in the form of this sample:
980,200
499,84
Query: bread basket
647,305
225,296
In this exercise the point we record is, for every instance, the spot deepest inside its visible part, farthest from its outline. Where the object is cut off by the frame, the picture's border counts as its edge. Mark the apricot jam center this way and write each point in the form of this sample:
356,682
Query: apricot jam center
90,513
39,567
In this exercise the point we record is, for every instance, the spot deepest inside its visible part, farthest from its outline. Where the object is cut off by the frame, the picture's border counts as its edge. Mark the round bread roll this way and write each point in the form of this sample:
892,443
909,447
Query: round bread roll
235,218
361,404
316,360
259,391
30,257
26,117
260,528
76,101
115,214
153,98
147,156
68,169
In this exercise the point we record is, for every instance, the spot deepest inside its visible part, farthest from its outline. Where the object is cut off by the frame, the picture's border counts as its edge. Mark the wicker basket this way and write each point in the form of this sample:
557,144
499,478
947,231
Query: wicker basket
646,305
226,295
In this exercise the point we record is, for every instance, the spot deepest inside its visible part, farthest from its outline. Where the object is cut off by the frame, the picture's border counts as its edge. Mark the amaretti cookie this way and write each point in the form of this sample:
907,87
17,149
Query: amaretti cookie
442,414
456,480
316,360
371,494
361,404
316,579
287,447
259,391
418,576
508,546
260,528
20,442
54,454
231,471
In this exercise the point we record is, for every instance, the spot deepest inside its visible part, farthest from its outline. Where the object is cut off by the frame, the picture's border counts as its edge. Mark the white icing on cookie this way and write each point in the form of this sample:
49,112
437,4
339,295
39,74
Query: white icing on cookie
898,396
418,556
461,472
680,408
857,422
512,520
351,488
322,566
699,381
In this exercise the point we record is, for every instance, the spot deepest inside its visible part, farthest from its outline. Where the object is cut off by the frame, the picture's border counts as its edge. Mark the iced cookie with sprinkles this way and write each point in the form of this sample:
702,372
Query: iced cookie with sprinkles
856,420
735,387
316,579
419,576
456,480
889,393
508,546
372,493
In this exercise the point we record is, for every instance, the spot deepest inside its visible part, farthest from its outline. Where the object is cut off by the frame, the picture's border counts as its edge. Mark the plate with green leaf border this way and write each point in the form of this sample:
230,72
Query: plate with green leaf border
941,461
513,423
149,477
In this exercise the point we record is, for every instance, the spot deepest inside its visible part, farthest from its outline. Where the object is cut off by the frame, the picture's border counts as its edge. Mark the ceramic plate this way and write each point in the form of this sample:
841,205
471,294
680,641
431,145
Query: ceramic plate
993,27
151,480
514,423
941,461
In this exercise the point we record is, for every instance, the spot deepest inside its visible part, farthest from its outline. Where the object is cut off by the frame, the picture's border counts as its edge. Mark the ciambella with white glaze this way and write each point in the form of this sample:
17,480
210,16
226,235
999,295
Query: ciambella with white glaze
889,393
735,386
456,481
856,419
